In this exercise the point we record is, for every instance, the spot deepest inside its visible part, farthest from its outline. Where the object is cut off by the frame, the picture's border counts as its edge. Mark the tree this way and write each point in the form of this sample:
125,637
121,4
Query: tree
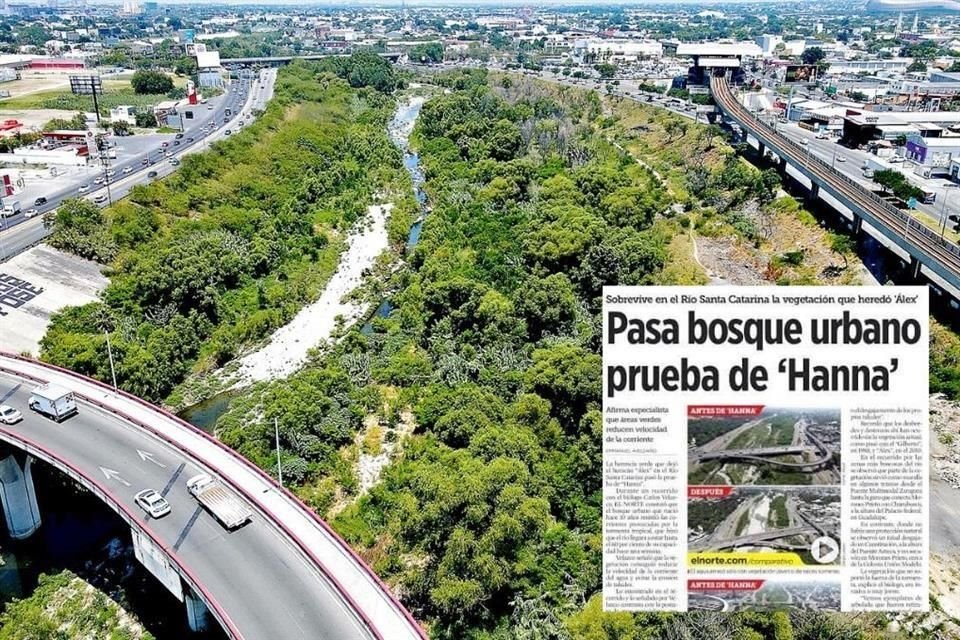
151,82
605,69
917,66
813,55
430,52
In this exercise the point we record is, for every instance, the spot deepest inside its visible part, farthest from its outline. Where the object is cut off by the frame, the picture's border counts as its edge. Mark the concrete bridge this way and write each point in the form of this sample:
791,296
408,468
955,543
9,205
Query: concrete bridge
925,250
760,539
285,575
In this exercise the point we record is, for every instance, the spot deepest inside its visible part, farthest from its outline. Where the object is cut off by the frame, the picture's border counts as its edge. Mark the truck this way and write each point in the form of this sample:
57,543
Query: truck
53,402
222,504
11,206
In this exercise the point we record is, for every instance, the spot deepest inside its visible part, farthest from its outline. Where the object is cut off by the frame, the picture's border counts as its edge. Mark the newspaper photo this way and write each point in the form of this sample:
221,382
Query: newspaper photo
765,448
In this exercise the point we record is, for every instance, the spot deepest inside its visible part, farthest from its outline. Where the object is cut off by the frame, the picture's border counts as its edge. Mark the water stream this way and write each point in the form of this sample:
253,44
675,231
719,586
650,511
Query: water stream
204,414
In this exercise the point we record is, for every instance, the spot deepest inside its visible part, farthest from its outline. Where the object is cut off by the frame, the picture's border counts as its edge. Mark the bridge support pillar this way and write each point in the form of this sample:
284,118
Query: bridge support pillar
783,165
914,268
814,191
761,148
18,497
857,225
198,617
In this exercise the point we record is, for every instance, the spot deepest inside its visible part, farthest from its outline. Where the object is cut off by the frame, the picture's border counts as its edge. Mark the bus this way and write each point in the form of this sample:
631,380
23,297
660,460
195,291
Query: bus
929,197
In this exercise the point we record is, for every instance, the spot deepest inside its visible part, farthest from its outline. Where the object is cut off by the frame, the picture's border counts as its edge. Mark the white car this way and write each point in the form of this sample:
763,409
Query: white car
127,170
9,415
84,188
153,503
841,159
29,213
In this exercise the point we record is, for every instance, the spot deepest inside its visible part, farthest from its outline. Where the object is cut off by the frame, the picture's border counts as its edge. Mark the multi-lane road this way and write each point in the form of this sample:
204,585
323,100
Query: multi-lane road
242,97
254,574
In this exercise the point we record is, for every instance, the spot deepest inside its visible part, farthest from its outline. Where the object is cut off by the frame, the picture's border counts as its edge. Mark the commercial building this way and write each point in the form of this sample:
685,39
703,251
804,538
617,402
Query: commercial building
617,49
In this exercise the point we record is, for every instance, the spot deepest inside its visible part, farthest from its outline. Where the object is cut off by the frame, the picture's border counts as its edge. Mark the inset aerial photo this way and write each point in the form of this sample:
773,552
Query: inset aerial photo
821,595
769,519
775,447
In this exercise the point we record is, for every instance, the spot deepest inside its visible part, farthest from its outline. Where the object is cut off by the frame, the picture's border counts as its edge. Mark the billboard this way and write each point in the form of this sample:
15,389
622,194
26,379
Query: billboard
85,85
801,73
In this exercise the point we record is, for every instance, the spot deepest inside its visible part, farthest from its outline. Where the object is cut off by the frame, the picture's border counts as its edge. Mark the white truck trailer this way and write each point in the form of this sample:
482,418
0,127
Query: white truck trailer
11,206
54,402
225,507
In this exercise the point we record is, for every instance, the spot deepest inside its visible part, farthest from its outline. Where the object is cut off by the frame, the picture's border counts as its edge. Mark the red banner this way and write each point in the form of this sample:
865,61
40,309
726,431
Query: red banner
724,411
709,491
724,585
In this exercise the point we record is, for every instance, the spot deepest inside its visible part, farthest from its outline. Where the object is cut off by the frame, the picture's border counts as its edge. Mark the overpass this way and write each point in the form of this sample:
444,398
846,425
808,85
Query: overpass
761,539
920,246
276,61
285,574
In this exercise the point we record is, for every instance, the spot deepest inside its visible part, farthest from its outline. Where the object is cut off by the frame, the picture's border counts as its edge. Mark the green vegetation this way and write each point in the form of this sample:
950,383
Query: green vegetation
151,82
707,514
779,519
489,523
742,522
897,183
66,101
234,243
64,607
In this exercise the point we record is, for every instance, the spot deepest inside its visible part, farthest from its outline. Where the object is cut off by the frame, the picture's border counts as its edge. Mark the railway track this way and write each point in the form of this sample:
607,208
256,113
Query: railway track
920,241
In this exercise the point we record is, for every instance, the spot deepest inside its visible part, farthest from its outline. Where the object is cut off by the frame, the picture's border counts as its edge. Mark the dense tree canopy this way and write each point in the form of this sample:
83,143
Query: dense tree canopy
146,81
234,243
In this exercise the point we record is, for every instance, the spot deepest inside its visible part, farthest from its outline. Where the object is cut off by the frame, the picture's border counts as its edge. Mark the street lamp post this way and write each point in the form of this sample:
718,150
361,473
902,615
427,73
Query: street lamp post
276,430
113,372
943,210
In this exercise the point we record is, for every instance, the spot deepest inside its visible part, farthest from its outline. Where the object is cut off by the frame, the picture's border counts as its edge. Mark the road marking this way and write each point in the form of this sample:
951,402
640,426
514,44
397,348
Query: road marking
114,475
145,456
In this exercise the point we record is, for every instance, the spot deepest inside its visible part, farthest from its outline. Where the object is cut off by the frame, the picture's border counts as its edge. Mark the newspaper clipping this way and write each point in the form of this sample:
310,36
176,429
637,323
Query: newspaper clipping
765,448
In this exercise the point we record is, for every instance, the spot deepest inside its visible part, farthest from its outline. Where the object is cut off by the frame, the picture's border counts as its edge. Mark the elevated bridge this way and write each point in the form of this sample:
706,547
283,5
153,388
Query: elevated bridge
285,575
922,248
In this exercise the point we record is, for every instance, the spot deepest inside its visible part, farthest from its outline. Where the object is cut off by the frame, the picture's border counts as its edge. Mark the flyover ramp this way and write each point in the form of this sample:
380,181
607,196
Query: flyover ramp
924,245
285,575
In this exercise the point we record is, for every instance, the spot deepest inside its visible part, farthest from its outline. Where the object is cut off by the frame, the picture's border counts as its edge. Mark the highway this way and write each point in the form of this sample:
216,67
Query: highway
271,579
254,574
921,242
242,97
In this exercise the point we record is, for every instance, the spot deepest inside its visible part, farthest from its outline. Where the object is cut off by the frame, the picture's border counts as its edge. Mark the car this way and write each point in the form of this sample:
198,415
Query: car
127,170
178,136
100,198
174,161
30,213
145,161
153,503
189,139
84,188
99,180
40,201
176,143
227,132
896,158
9,415
841,159
111,173
152,174
804,141
164,144
209,107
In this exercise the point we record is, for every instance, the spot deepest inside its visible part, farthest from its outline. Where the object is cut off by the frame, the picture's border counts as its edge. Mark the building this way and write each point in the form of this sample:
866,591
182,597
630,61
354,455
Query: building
209,71
57,64
124,113
768,43
935,153
617,49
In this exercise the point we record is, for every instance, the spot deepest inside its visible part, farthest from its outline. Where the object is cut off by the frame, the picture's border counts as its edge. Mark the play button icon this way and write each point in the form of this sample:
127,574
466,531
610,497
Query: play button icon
825,550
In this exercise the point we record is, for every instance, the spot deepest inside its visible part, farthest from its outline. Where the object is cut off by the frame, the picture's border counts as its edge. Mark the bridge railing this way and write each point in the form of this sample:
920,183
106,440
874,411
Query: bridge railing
382,602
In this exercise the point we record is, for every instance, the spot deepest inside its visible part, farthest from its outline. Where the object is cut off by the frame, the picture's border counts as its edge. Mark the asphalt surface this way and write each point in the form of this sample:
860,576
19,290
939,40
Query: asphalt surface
18,233
268,589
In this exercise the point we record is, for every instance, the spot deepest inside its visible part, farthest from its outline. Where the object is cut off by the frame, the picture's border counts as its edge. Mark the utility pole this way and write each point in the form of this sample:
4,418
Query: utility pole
113,372
276,430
